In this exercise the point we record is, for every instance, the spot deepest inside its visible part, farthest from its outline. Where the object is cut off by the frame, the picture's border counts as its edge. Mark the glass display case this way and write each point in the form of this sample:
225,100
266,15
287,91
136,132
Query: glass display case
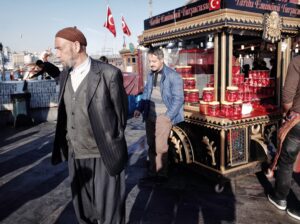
196,67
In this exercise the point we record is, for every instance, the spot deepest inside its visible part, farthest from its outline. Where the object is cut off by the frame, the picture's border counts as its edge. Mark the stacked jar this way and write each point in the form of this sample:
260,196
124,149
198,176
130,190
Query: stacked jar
191,94
213,108
226,109
232,93
207,97
261,84
233,105
189,83
208,94
185,71
237,108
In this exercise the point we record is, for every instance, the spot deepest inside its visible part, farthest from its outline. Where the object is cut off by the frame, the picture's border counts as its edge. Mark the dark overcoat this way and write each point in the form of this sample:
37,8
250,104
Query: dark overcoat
107,107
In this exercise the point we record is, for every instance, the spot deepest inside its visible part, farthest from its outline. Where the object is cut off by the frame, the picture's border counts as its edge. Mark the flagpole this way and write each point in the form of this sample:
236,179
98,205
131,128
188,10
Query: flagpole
106,13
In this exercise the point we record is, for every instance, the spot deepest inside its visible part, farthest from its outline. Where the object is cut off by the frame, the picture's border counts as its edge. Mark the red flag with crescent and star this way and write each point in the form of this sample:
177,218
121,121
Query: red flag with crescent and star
214,4
110,23
125,27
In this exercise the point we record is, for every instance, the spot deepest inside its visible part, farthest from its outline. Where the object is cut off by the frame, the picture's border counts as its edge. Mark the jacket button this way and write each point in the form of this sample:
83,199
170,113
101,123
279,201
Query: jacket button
73,127
73,113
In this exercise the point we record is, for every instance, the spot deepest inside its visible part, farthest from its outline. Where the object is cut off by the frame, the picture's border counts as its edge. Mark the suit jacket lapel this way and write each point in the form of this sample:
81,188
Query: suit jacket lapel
64,75
94,77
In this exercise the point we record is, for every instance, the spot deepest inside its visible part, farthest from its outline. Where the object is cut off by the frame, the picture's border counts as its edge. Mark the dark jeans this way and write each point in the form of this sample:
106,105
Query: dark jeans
290,150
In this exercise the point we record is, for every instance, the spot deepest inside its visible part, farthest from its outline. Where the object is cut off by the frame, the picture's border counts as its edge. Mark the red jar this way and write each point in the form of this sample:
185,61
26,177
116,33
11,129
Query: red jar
232,93
247,96
226,109
213,108
241,78
265,82
191,95
189,83
184,69
254,74
210,84
208,94
235,80
203,107
237,108
235,70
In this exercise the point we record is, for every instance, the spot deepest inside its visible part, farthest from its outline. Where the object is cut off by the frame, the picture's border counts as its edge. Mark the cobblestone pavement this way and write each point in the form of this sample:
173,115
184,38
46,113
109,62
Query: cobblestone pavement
34,191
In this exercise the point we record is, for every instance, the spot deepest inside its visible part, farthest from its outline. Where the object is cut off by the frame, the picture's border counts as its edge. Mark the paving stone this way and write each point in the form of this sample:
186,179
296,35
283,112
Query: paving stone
34,191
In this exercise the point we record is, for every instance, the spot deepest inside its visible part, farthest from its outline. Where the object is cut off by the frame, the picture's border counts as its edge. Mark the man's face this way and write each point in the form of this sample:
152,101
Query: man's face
155,63
65,52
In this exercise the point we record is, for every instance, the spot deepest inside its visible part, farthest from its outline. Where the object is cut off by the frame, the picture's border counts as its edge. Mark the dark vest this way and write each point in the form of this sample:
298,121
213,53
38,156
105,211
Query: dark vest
79,132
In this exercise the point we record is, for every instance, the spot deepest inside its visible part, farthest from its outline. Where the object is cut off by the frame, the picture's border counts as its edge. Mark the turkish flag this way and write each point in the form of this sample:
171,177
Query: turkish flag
125,27
110,23
214,4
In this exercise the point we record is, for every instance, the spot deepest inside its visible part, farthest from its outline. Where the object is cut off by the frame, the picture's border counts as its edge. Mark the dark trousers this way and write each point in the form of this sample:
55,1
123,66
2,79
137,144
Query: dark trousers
97,197
290,150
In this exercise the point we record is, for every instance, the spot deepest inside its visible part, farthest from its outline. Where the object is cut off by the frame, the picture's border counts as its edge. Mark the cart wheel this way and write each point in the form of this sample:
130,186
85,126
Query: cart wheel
219,188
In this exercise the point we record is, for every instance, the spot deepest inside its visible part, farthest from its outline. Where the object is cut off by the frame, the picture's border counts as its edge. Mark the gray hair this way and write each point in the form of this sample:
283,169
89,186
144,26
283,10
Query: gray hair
157,52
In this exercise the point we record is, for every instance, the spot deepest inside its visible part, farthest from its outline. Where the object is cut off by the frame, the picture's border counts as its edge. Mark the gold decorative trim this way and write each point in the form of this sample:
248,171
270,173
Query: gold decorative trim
272,27
225,18
211,150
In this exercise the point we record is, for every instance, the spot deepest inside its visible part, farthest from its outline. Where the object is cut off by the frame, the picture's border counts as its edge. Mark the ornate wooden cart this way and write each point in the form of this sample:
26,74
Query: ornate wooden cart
215,39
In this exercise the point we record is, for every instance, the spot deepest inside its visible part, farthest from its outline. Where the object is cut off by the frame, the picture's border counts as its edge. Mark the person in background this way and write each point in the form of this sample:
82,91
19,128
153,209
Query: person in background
90,131
43,67
162,107
291,143
255,65
103,59
245,70
263,65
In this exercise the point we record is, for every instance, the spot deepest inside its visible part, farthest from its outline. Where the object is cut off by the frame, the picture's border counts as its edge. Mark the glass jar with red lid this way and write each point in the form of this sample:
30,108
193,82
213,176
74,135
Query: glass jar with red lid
213,108
191,95
203,107
226,108
208,94
232,93
189,83
237,108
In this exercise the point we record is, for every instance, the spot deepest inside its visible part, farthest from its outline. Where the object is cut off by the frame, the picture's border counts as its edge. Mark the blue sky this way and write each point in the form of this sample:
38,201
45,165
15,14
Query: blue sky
32,24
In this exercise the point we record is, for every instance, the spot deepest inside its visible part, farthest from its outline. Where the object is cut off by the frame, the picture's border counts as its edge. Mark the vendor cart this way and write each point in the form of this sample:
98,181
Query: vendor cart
233,57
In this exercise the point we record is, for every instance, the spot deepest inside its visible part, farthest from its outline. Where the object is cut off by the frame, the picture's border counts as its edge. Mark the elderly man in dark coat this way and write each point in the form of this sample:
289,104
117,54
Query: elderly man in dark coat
90,130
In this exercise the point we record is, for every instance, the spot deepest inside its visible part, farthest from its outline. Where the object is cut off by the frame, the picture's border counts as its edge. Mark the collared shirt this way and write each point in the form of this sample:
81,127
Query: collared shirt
79,73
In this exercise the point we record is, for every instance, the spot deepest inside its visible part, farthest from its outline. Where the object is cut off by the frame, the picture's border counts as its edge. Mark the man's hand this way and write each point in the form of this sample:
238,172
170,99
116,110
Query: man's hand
136,113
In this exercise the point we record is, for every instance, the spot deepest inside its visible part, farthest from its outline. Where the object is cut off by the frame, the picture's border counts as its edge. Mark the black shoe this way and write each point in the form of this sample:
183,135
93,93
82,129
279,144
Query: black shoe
294,213
280,204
